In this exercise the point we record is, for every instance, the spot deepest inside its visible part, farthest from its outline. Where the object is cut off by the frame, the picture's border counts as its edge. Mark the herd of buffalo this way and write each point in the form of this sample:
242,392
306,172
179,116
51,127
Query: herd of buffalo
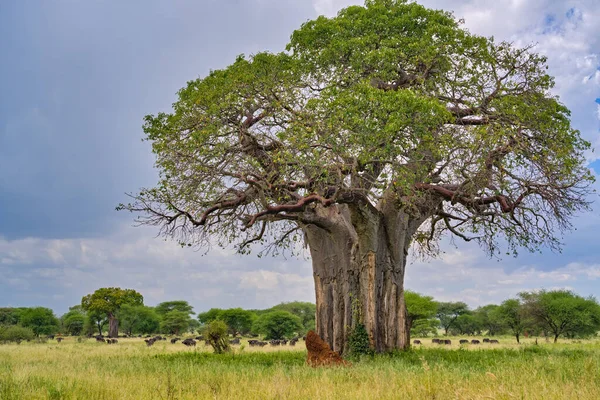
461,341
253,342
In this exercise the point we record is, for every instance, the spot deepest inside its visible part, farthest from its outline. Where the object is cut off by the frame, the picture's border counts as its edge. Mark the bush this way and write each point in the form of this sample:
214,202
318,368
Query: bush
15,333
216,336
358,341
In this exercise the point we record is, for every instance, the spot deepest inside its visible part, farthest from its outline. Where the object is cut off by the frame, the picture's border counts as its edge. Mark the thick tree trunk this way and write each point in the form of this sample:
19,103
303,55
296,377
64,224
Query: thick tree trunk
113,326
358,268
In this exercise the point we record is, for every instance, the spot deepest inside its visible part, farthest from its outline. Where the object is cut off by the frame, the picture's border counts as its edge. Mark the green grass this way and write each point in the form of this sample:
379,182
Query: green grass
130,370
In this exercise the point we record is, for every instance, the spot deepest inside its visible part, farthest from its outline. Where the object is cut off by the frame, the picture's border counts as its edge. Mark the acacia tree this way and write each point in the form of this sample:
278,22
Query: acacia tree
562,312
418,307
448,313
512,314
108,301
384,127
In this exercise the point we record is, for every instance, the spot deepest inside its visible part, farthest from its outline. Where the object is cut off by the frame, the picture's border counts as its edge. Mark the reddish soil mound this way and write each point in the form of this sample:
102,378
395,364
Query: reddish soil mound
319,352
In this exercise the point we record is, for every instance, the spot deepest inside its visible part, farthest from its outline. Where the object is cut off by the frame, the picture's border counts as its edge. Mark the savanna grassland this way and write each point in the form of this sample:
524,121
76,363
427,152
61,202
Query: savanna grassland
130,370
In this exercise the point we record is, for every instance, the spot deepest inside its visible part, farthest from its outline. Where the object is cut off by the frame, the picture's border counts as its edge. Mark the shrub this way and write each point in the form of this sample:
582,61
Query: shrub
216,336
358,341
15,333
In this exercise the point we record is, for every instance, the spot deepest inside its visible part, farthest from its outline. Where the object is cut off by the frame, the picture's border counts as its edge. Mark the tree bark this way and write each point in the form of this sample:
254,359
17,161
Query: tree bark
359,260
113,326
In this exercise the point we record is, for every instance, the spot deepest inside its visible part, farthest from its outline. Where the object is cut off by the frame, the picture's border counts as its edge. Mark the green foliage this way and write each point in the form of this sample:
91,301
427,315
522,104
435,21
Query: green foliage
138,319
210,315
10,316
386,98
512,314
175,322
238,320
108,301
447,313
467,324
487,319
418,307
424,327
305,310
41,320
562,312
177,305
358,341
95,322
217,337
278,325
73,322
194,325
15,333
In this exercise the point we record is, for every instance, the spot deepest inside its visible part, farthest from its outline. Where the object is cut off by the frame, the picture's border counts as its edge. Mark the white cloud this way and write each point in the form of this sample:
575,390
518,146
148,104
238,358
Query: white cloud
479,281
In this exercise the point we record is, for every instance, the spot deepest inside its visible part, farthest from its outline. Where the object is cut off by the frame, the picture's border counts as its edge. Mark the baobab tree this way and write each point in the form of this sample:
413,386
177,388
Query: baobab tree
386,127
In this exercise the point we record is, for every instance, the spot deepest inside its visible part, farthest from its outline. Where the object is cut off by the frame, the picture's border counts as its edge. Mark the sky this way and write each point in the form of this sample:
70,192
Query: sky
77,78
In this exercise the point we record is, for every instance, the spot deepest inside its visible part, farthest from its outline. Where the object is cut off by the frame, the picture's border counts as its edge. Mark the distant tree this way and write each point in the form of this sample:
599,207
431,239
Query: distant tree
216,335
177,305
305,310
175,322
511,313
424,327
447,313
277,325
41,320
238,320
15,333
467,324
484,316
10,316
211,315
73,322
194,325
95,321
418,307
138,319
108,301
562,311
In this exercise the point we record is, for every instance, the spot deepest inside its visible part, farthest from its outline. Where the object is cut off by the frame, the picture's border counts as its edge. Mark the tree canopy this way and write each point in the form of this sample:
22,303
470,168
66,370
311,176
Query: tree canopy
419,307
387,101
561,312
108,301
278,325
448,312
176,305
40,320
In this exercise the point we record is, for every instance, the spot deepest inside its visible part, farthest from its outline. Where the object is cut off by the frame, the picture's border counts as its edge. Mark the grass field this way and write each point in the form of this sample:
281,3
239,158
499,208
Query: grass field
130,370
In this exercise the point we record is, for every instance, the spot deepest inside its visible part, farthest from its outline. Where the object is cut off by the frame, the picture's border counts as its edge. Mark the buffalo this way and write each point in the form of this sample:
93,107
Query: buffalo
416,342
189,342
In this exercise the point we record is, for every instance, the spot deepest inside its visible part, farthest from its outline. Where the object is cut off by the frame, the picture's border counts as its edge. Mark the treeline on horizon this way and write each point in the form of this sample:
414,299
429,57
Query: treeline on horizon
549,314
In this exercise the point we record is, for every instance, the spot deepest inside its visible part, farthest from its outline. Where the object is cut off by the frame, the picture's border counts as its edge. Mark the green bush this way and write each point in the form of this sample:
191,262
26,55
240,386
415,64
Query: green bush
358,341
216,336
15,333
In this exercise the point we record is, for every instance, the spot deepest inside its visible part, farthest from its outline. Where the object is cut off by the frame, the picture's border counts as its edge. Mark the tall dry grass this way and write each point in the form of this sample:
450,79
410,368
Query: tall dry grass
130,370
